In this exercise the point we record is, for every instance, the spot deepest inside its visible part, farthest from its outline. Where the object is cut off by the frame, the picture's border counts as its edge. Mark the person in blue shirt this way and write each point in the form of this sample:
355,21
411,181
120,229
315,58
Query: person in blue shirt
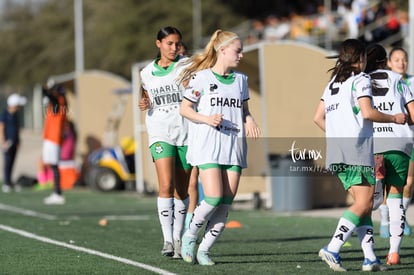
10,138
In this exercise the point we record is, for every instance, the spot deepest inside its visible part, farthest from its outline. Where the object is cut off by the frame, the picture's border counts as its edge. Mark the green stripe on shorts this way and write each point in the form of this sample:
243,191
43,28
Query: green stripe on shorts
234,168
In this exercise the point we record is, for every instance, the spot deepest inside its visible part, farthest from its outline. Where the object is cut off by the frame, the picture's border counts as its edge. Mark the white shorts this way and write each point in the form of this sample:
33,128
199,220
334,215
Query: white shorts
51,153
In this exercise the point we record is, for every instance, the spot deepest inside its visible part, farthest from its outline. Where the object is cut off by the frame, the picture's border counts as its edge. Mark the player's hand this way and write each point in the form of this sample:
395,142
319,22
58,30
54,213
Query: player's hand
252,129
400,118
144,104
215,120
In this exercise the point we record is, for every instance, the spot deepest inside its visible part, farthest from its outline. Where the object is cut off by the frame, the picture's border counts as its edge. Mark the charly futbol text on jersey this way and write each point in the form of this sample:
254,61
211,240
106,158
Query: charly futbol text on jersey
226,102
167,94
331,107
384,106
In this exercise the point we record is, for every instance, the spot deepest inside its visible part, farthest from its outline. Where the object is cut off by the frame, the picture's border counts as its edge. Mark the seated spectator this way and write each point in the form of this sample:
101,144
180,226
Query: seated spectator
276,29
299,28
256,32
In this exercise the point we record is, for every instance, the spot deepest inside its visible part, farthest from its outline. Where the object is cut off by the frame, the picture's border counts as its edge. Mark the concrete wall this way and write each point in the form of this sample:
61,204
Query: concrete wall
95,101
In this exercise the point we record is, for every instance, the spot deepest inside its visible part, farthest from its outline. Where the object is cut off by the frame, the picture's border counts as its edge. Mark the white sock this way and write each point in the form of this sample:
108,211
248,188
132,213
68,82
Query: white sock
397,219
180,212
165,214
406,203
201,213
366,238
384,213
215,227
342,233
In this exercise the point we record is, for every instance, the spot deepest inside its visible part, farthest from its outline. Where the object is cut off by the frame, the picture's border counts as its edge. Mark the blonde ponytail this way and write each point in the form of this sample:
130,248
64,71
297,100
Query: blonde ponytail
208,57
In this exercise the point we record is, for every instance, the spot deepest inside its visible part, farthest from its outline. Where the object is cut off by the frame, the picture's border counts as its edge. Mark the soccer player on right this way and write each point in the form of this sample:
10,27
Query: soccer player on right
393,142
347,100
398,62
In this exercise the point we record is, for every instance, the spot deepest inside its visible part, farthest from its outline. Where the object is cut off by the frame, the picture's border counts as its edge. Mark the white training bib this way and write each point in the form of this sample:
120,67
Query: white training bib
349,136
391,96
163,120
226,144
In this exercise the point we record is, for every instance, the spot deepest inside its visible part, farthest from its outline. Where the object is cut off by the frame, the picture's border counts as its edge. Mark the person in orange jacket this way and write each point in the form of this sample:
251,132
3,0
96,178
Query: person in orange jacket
55,116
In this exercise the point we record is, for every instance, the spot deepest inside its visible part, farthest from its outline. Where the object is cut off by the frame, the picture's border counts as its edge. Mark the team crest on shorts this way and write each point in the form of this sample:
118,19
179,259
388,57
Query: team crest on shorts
158,148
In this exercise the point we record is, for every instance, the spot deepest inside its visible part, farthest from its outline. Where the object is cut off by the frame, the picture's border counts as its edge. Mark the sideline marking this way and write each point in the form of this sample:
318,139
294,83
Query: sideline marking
83,249
27,212
127,218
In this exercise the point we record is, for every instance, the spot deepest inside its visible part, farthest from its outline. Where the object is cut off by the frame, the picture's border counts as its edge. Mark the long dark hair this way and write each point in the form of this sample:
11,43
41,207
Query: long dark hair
166,31
376,58
350,53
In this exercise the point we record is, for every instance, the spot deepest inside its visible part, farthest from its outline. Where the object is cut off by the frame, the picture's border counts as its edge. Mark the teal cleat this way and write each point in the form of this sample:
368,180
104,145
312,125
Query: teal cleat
188,245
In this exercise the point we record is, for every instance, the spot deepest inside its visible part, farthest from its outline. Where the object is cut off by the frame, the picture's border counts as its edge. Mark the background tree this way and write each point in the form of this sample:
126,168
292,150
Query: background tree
37,37
38,41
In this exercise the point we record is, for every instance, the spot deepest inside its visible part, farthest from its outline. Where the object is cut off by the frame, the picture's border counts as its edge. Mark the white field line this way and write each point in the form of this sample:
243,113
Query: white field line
26,212
127,218
85,250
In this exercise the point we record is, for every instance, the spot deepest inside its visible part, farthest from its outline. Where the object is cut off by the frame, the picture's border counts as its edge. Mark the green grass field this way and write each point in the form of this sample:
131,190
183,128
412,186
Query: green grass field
40,239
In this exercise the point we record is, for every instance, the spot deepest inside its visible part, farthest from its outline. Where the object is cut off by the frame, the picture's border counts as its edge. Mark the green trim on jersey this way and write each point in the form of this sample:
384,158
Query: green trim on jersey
355,108
399,87
225,79
407,79
160,71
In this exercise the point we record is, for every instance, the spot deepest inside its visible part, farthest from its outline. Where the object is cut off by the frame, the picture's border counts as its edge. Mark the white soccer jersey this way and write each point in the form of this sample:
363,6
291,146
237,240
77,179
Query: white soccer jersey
212,94
163,120
391,97
349,135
